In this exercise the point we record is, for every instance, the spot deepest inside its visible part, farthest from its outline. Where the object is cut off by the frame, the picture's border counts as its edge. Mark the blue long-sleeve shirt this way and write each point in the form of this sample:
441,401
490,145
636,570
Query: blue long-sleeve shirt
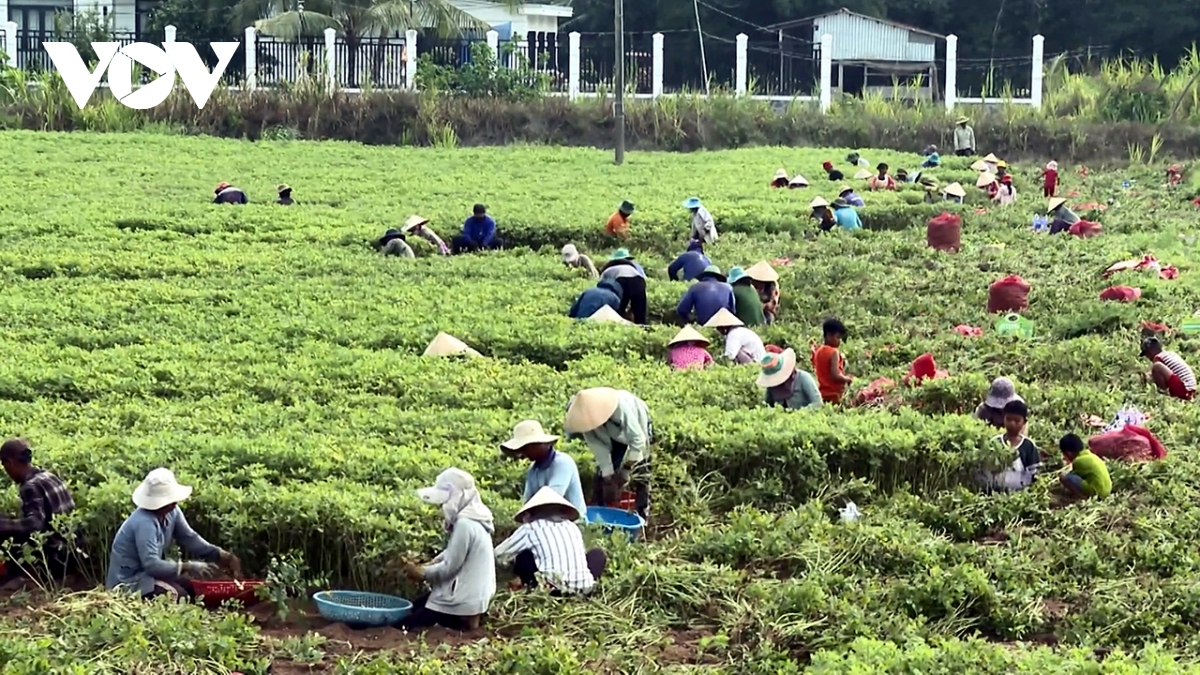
847,218
479,230
691,263
706,298
560,472
139,551
607,292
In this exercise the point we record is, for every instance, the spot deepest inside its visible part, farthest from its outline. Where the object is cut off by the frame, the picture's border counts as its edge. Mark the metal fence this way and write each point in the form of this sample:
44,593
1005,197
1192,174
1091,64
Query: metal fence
31,56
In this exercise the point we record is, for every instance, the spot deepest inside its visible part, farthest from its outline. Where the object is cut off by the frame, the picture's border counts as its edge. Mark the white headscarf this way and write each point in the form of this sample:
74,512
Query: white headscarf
454,490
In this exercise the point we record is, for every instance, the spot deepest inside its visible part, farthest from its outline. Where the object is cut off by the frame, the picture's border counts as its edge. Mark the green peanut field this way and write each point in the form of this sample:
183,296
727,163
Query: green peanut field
273,360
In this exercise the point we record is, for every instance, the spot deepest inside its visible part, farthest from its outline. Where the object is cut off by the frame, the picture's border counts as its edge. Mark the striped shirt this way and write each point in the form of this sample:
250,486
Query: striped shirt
1177,366
557,547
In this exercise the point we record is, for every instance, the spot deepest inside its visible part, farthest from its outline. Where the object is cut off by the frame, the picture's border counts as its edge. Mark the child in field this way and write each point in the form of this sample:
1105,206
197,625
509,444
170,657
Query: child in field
882,181
1025,467
1049,178
1088,476
829,363
618,223
1171,374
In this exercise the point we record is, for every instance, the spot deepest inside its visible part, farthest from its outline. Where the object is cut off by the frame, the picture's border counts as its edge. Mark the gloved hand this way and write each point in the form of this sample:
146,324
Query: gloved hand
198,570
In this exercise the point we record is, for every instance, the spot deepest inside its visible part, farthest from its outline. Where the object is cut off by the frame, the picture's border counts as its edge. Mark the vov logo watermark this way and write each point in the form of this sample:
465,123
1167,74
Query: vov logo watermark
171,58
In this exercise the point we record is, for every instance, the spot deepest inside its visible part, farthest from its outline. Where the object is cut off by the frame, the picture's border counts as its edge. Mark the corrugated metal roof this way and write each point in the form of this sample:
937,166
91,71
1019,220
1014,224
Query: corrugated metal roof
799,22
860,38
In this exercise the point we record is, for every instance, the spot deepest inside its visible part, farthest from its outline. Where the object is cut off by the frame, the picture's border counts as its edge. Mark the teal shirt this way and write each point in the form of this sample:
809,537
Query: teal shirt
847,219
805,394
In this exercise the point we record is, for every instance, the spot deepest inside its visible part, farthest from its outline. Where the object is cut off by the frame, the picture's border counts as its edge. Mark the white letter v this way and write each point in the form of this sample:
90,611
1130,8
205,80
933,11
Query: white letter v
74,73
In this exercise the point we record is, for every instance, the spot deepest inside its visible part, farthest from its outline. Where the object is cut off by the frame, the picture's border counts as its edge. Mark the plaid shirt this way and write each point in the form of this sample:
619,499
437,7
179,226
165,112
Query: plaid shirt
43,496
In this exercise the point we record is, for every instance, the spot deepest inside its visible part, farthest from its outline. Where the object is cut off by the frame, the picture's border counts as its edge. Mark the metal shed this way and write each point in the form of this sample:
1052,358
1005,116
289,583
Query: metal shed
871,54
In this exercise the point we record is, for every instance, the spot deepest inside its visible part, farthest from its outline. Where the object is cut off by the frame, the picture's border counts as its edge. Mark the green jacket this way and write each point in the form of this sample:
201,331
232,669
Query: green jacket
747,305
629,425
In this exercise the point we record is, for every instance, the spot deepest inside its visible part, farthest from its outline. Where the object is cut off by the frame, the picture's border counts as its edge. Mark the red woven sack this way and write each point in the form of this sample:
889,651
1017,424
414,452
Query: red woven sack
1121,293
944,232
874,391
922,368
1010,294
1085,229
1124,444
1157,451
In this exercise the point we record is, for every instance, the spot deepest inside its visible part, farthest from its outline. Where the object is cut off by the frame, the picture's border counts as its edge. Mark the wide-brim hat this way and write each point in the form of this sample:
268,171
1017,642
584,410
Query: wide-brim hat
799,180
527,433
862,174
413,222
626,207
991,158
980,165
444,344
547,496
782,173
1001,393
691,203
590,409
724,319
284,188
159,489
620,254
712,271
985,179
955,190
1054,204
606,314
776,368
1052,165
818,202
844,189
736,274
687,334
762,271
961,120
840,203
569,253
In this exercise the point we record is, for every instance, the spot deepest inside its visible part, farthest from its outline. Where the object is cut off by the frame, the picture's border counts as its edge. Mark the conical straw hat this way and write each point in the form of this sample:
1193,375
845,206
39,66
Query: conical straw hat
608,315
413,222
589,409
980,165
799,180
723,319
547,496
991,158
818,202
762,271
448,345
687,334
1055,203
862,174
985,179
781,174
955,189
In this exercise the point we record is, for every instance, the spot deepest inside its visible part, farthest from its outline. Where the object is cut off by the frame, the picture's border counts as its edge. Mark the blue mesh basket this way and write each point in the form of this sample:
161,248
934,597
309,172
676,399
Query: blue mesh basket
364,609
616,520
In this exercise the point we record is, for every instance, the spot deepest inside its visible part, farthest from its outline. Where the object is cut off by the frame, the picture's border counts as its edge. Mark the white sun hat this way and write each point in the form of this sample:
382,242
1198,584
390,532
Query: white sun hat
527,433
547,496
445,485
781,174
569,253
955,190
724,319
448,345
607,314
159,489
776,368
817,202
799,180
687,334
590,409
413,222
762,271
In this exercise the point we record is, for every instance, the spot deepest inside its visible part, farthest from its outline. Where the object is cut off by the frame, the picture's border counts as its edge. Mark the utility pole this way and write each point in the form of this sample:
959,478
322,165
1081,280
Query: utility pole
619,80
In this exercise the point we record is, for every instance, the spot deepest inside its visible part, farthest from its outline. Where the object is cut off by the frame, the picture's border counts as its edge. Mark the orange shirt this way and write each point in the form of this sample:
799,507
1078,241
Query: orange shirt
831,390
618,225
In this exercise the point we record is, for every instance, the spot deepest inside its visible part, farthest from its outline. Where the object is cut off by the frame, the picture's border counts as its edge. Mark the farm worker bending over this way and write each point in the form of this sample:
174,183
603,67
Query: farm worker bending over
43,496
1001,393
550,468
1025,467
138,561
1088,476
964,138
1005,194
615,424
703,227
822,213
954,193
931,158
419,226
709,294
606,292
622,268
618,223
479,232
845,216
742,345
881,180
462,578
571,257
851,197
854,159
832,173
1171,374
227,194
688,349
746,304
781,179
1062,218
766,282
690,264
787,385
830,364
549,544
285,196
394,243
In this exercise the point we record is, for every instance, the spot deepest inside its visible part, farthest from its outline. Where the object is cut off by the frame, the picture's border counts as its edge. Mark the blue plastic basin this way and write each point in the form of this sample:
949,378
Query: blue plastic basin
356,608
613,520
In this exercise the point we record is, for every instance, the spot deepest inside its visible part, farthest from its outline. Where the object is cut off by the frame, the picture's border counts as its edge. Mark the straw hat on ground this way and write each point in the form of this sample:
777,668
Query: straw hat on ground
445,344
991,159
798,181
1054,204
724,319
159,489
590,409
413,222
776,368
818,202
607,314
985,179
781,174
528,433
762,271
862,174
955,190
546,498
688,334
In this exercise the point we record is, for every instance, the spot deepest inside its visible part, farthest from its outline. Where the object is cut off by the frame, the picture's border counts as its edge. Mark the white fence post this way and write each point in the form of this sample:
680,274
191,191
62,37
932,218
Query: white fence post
826,72
493,40
656,66
1039,56
169,34
573,66
743,48
410,66
330,68
251,60
951,72
10,43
